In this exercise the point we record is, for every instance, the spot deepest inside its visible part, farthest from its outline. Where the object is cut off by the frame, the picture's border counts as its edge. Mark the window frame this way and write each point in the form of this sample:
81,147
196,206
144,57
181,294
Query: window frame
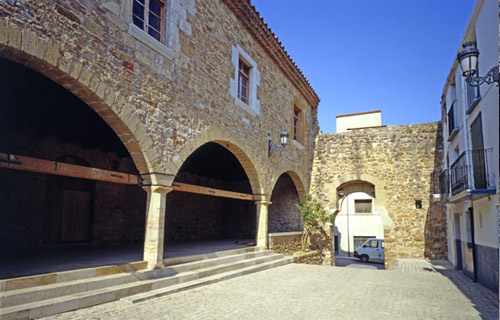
145,21
297,123
365,201
241,74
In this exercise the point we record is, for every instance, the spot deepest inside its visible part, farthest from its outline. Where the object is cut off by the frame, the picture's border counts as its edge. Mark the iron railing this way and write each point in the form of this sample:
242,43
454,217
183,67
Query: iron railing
441,183
471,171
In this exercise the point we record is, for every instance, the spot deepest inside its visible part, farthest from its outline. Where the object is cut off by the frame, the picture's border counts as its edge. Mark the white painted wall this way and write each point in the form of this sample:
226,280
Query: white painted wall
482,29
359,224
373,119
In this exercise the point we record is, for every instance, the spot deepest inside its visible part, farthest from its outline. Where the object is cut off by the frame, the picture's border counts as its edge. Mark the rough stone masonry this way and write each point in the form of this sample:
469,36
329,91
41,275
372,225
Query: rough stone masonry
398,161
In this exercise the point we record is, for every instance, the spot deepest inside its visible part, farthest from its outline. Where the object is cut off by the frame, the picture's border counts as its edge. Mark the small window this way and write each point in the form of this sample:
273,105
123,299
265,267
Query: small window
363,206
296,123
243,81
373,243
418,204
149,15
382,244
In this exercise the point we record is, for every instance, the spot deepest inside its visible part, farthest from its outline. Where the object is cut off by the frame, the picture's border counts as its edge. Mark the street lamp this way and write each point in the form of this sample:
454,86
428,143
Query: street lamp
468,59
272,147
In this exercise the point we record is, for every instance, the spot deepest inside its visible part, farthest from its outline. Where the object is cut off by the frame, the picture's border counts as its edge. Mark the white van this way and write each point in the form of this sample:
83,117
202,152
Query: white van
371,250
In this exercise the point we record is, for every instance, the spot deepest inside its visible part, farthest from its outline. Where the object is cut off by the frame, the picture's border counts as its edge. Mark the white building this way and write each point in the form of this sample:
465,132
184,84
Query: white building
356,222
359,120
470,178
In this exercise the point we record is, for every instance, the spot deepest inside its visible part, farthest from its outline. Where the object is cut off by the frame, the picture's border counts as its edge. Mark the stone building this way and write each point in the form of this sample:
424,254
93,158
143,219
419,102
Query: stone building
469,180
179,93
392,166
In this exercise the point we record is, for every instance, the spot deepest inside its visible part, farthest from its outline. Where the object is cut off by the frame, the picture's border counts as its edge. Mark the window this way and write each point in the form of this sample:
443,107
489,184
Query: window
452,123
243,81
363,206
296,123
373,243
418,204
149,15
360,240
473,98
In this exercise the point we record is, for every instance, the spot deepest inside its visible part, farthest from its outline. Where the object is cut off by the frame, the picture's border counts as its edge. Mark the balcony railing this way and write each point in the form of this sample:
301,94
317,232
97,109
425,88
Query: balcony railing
471,172
441,183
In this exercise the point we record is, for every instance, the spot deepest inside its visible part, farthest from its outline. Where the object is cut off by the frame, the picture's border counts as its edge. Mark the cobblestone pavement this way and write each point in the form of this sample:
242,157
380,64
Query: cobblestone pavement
300,291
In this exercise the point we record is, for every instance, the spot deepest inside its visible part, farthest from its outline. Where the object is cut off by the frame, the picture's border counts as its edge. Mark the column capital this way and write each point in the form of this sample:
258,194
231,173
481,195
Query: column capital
261,197
158,189
157,179
263,202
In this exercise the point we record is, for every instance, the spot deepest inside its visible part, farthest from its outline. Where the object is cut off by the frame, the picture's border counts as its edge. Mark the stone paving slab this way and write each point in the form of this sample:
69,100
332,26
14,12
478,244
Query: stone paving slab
300,291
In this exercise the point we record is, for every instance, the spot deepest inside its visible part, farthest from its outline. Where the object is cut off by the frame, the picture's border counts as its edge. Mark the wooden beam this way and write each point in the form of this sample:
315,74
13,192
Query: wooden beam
184,187
16,162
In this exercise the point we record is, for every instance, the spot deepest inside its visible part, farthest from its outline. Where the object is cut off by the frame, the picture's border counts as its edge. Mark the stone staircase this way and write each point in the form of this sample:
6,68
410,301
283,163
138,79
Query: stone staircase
49,294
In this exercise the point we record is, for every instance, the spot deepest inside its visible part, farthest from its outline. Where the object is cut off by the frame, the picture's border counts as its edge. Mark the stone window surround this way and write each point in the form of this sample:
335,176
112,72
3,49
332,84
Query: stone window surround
253,107
175,20
299,144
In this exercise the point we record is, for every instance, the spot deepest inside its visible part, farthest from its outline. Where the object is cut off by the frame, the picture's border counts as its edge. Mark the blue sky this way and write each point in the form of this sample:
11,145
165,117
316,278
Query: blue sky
361,55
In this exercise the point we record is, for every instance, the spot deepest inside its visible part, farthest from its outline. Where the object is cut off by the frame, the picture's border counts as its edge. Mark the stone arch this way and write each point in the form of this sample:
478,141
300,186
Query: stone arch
370,185
297,181
231,143
47,57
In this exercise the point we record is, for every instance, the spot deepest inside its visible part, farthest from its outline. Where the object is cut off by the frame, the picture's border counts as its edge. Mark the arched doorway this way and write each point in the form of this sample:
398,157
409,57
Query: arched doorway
53,223
283,213
210,221
358,220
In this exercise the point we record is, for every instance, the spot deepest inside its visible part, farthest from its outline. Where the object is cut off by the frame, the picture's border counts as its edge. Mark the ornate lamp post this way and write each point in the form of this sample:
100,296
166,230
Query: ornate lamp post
272,147
468,59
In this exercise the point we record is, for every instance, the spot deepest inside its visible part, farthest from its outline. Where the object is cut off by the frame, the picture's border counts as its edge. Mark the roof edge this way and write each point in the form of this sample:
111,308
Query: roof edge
262,33
357,113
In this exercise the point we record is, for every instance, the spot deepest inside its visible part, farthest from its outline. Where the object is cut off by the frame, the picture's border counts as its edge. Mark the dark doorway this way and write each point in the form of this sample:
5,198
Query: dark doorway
40,212
458,243
194,217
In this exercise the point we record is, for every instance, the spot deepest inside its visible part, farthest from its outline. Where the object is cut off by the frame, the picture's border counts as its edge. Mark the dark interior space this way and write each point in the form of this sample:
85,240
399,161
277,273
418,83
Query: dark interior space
194,217
283,214
40,119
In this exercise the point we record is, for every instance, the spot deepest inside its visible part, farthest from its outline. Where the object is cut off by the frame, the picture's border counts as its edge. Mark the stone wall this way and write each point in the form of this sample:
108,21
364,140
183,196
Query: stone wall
286,242
398,162
118,211
283,214
192,216
164,104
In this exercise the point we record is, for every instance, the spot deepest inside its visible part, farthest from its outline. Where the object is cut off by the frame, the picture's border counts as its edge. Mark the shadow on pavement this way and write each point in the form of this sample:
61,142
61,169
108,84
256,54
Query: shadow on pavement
355,263
485,300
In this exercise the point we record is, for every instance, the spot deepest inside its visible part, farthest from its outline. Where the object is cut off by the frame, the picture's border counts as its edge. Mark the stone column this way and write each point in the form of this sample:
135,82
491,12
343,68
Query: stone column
155,225
262,217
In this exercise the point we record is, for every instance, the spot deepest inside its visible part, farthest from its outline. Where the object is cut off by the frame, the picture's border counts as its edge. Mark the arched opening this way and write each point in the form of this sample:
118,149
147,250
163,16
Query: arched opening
358,221
49,222
201,223
283,214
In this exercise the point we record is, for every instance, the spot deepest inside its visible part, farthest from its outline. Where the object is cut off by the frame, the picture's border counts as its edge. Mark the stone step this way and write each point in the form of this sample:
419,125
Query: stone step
205,256
40,293
65,276
207,280
79,300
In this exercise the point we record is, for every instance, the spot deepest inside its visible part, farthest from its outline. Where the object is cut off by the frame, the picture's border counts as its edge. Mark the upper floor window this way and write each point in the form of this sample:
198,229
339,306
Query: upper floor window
452,122
296,123
243,81
473,97
149,15
363,206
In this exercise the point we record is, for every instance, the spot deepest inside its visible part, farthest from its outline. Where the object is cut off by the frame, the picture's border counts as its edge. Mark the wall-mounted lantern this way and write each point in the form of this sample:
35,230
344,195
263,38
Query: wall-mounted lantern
272,147
468,59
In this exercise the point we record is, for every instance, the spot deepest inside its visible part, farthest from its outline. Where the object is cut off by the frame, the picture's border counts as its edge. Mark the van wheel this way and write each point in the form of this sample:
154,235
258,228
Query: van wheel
364,258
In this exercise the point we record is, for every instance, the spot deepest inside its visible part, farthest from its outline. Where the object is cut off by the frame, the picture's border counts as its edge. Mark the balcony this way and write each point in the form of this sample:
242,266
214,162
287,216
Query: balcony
471,176
440,184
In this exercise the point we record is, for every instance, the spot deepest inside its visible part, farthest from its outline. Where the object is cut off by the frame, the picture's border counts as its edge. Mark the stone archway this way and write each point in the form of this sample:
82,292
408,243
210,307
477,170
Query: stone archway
244,155
47,57
283,213
368,185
